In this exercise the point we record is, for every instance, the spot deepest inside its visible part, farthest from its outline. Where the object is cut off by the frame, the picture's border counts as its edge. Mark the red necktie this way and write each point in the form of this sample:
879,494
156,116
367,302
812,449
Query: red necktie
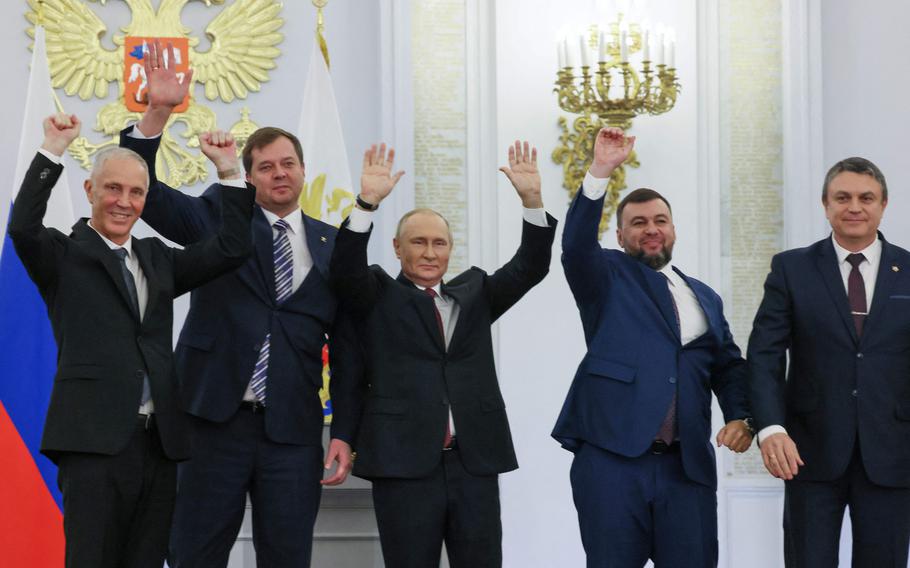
447,441
856,292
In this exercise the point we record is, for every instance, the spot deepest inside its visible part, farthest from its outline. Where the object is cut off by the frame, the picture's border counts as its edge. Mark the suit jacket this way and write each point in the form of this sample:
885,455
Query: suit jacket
104,351
230,317
635,360
410,377
839,389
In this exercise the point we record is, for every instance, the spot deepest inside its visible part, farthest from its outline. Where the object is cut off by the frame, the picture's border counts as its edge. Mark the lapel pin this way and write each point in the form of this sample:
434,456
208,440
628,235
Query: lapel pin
895,268
323,239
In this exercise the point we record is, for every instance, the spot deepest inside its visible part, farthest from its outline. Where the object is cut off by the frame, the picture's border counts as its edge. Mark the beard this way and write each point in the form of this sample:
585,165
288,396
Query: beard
655,261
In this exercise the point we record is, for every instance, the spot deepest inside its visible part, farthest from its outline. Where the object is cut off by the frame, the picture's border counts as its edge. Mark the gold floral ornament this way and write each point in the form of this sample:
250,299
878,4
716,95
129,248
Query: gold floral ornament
243,37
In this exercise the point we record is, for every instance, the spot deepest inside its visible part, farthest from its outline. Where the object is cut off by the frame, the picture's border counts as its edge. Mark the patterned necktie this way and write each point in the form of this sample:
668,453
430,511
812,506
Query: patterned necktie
130,282
856,292
284,280
668,428
447,440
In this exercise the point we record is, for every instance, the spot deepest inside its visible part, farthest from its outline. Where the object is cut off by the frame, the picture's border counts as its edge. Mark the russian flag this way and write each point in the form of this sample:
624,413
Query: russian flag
31,519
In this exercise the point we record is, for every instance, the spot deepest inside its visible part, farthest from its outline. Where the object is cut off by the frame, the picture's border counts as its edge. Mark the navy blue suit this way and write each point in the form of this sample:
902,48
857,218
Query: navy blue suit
845,402
215,357
621,392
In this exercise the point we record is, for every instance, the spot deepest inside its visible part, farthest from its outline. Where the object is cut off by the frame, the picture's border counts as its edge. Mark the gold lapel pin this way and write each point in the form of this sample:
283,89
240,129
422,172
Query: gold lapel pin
895,268
323,239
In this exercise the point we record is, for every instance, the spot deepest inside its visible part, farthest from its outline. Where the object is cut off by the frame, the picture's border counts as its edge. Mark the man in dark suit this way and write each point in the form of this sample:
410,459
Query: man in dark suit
434,434
113,425
638,414
249,357
836,428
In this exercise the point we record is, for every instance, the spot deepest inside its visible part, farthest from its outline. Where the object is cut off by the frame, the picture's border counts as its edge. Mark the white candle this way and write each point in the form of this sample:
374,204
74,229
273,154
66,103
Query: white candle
623,47
565,50
660,49
560,56
602,51
671,55
585,54
645,46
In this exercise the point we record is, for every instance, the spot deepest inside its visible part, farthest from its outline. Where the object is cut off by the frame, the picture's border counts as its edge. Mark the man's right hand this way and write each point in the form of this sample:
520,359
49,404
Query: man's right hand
780,455
611,148
165,88
376,179
219,147
59,132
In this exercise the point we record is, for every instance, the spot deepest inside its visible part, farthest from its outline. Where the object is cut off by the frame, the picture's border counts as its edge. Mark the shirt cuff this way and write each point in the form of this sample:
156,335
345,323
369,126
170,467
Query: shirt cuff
136,133
51,156
594,188
537,216
360,221
236,182
770,431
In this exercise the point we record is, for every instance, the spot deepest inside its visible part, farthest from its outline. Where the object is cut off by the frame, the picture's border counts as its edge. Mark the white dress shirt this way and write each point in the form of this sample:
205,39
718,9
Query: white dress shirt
692,321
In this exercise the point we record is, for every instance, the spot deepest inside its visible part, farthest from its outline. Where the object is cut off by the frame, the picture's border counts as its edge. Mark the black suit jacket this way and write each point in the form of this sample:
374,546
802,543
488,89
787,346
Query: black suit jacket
410,377
840,389
104,351
230,316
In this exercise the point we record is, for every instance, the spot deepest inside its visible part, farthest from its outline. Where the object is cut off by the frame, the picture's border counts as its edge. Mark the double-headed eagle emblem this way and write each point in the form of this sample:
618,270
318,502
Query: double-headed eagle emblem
243,39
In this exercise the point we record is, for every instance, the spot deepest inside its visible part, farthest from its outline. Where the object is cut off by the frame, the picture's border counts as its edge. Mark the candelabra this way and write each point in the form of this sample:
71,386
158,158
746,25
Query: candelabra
613,95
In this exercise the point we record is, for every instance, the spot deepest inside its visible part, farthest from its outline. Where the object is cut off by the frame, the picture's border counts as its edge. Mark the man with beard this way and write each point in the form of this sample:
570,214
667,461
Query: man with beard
638,414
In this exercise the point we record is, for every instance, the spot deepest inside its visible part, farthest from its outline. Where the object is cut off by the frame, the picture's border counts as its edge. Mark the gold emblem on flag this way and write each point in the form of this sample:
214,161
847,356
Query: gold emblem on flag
243,38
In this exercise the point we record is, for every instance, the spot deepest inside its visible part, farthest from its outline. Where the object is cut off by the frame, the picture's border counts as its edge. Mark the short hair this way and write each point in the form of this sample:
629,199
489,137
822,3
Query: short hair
263,137
117,152
640,195
422,211
858,166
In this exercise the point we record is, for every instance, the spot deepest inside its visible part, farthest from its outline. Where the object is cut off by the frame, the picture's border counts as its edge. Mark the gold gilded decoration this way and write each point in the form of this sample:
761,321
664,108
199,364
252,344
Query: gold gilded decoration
242,129
243,37
613,95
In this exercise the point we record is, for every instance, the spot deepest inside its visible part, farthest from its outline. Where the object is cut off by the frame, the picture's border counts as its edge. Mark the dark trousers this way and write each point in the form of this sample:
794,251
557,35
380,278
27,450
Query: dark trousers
633,509
117,509
232,460
415,516
814,513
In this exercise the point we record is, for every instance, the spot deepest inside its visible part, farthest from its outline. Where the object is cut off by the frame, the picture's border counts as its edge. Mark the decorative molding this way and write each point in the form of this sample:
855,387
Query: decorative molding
803,142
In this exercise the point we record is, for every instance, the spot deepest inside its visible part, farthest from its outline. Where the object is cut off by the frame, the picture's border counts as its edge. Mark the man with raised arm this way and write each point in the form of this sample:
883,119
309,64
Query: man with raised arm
114,427
249,356
434,434
638,413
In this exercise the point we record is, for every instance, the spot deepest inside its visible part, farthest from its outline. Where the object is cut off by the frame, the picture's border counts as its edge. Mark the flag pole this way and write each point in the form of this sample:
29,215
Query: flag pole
320,30
41,20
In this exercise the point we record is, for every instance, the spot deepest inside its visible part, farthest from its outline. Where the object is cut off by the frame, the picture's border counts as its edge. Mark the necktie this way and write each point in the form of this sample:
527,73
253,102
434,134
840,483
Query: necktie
856,292
447,440
134,300
284,280
667,432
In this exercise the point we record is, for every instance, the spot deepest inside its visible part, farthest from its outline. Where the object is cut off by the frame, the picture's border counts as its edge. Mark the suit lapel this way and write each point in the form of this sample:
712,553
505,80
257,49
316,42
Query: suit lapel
97,248
884,283
426,311
826,263
461,295
262,279
707,307
317,242
657,287
143,252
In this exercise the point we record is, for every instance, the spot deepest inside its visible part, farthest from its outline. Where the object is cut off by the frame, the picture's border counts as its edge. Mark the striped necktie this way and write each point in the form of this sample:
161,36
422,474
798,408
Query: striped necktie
284,280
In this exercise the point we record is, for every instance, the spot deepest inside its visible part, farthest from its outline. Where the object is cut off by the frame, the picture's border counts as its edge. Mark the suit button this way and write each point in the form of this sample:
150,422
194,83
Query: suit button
859,355
140,374
672,380
257,347
139,340
854,393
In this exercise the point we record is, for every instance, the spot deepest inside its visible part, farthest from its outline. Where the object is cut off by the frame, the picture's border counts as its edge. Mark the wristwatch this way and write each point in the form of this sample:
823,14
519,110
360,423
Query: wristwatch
366,205
750,424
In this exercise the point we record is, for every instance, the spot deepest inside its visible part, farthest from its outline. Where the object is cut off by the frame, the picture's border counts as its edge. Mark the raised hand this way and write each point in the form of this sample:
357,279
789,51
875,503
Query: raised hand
611,148
59,132
219,147
165,89
376,179
522,172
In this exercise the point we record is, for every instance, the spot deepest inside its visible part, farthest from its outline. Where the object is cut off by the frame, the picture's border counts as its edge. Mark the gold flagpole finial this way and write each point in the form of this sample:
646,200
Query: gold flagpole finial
320,29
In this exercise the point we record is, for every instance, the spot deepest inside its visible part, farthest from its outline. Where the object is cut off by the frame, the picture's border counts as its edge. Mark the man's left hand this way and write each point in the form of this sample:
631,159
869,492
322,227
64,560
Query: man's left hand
524,175
735,435
339,451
